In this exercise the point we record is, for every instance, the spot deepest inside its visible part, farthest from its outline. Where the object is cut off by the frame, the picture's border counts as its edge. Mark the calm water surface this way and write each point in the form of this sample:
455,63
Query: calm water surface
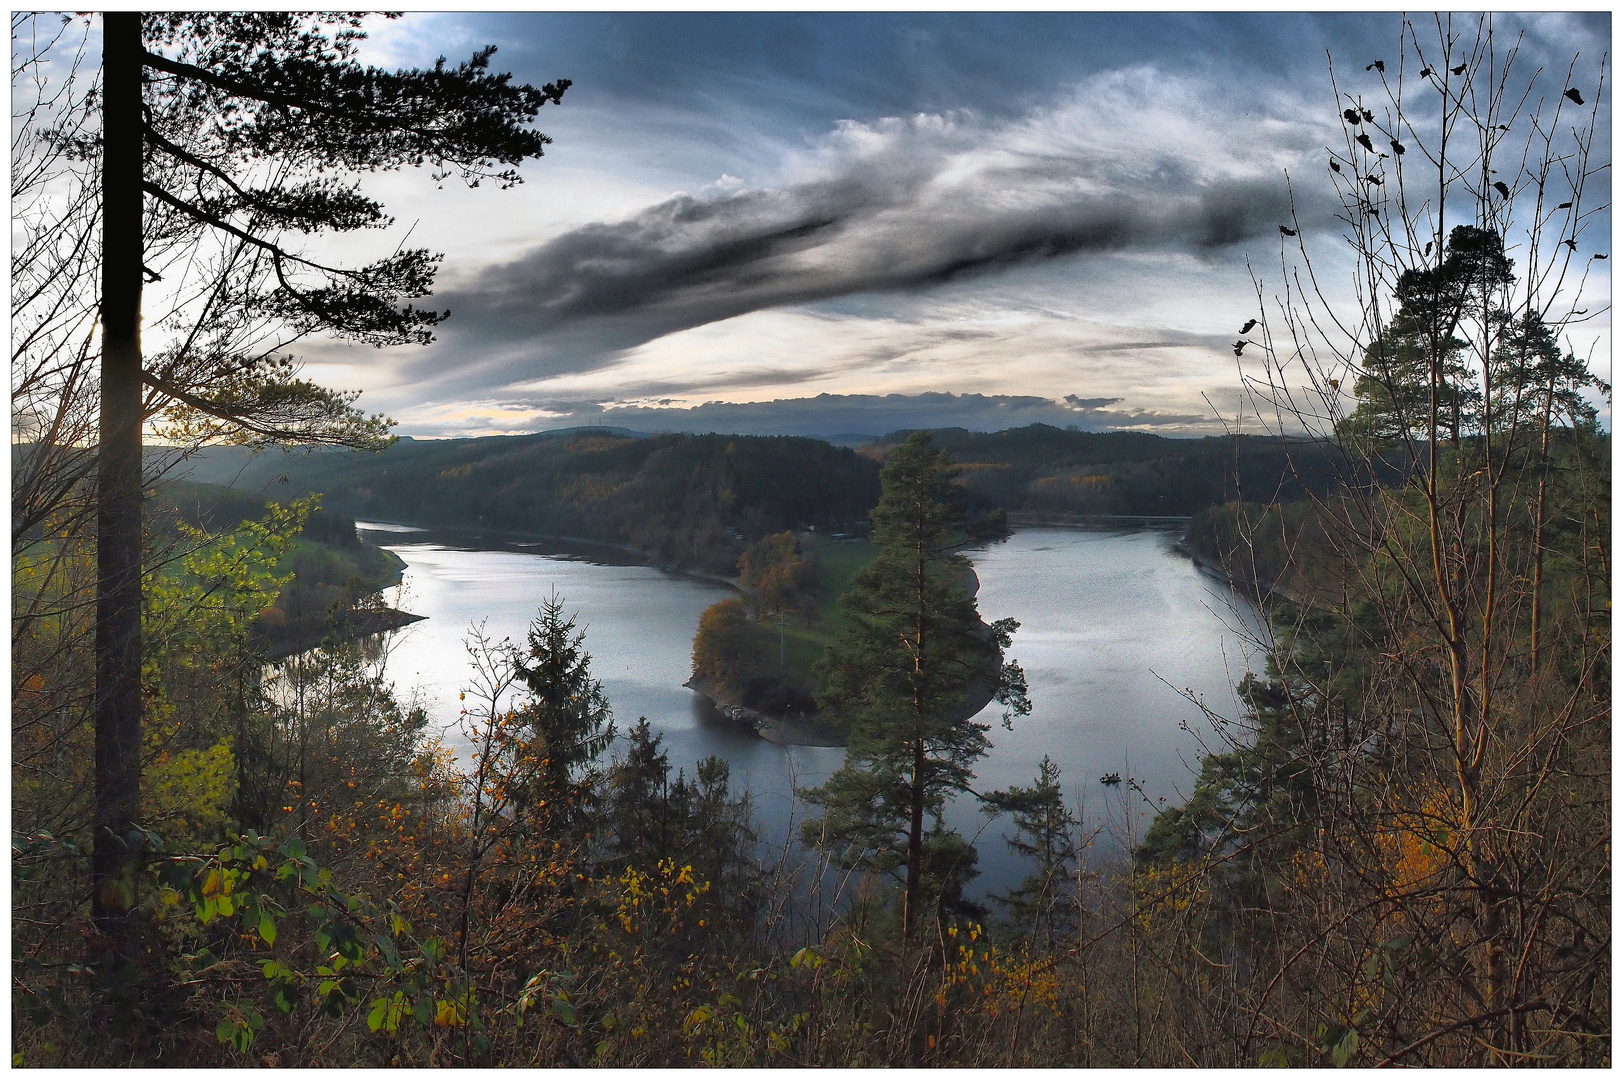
1113,625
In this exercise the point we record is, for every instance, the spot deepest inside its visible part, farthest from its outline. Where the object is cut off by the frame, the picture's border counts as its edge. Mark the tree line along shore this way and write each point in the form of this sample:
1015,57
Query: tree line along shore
705,504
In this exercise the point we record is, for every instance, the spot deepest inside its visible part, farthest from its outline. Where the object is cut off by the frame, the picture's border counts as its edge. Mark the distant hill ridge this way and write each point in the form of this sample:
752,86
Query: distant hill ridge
694,500
685,500
1050,470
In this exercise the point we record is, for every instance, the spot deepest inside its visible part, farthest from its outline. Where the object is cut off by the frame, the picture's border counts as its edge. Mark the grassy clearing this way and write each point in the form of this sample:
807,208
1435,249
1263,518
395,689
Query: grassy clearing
332,564
803,638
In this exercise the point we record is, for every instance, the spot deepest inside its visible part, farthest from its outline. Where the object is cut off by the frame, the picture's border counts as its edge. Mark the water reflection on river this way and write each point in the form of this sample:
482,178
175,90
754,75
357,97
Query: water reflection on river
1111,623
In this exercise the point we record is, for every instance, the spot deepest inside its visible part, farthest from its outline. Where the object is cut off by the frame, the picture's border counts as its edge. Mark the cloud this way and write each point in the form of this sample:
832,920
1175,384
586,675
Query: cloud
1131,160
1026,207
837,416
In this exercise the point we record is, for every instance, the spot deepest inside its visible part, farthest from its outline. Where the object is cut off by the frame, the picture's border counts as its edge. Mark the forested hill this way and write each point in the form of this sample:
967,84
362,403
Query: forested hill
695,500
686,500
1043,469
334,573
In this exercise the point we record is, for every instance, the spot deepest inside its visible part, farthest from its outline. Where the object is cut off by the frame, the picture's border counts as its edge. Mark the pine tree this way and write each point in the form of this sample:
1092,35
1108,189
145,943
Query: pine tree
566,717
1415,380
1045,832
699,822
224,140
902,674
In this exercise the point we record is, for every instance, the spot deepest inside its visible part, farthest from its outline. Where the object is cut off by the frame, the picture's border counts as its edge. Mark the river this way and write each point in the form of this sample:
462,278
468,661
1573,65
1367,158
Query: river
1114,623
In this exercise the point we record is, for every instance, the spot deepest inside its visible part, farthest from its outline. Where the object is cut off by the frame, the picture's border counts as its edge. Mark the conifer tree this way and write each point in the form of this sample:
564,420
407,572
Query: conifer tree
226,138
696,822
1045,832
1415,381
566,717
902,675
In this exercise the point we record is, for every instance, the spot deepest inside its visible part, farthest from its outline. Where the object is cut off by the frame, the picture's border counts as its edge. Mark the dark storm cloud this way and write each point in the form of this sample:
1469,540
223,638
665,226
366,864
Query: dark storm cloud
898,205
690,261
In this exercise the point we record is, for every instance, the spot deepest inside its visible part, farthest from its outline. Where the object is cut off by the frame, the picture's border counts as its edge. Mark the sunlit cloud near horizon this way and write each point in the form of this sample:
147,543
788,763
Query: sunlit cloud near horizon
861,223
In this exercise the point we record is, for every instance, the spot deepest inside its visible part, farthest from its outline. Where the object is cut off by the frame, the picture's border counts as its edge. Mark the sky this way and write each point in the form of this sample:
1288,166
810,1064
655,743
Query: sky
853,223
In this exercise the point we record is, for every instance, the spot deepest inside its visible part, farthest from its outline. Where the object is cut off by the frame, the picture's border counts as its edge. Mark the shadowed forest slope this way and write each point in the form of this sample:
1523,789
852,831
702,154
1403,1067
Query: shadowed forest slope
686,500
697,500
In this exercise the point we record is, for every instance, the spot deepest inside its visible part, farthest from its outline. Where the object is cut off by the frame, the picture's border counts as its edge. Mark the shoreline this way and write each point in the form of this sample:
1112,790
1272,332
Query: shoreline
811,730
1040,519
380,621
522,535
1252,591
785,731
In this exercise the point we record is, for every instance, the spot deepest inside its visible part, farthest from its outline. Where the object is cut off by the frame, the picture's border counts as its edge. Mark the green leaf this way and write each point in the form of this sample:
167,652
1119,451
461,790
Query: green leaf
374,1018
1345,1049
267,928
1274,1057
225,1031
386,947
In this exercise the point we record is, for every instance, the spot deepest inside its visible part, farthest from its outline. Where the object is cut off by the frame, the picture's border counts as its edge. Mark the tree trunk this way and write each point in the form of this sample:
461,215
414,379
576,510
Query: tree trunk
118,478
915,844
915,828
1538,524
